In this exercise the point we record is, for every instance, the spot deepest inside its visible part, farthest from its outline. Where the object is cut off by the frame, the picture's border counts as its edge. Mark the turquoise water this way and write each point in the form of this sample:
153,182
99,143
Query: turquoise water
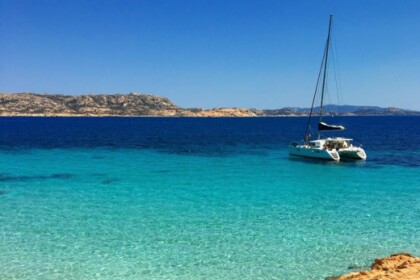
200,199
143,214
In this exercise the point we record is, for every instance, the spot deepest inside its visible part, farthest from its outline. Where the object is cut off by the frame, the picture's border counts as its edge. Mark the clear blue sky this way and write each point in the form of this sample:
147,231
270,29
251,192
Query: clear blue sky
208,53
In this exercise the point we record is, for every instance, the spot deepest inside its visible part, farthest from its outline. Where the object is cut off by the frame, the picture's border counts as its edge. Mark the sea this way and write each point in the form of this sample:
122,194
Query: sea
201,198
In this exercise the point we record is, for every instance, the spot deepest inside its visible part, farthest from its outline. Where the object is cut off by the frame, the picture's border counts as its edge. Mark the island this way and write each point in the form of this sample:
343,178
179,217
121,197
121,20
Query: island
136,104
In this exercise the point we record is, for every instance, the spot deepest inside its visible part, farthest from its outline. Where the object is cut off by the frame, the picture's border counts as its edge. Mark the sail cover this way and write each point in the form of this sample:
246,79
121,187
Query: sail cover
325,127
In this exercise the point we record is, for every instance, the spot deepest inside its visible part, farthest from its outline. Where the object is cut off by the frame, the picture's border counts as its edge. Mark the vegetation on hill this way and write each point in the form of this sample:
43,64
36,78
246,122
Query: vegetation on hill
135,104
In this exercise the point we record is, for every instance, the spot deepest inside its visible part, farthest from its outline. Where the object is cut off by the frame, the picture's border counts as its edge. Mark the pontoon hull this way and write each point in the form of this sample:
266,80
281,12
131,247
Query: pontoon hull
315,153
352,153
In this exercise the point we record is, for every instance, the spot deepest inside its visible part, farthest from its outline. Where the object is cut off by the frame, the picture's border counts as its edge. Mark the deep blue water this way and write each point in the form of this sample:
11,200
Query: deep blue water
207,136
201,198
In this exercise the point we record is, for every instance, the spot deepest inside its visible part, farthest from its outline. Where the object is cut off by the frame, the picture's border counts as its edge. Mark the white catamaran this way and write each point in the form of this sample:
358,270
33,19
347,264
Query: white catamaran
331,148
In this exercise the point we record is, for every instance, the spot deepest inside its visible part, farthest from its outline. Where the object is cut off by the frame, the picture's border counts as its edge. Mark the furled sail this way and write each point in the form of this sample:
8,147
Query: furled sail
325,127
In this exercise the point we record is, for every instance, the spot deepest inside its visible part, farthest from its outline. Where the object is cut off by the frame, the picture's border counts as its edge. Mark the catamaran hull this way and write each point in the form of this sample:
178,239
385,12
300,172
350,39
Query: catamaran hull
302,151
353,154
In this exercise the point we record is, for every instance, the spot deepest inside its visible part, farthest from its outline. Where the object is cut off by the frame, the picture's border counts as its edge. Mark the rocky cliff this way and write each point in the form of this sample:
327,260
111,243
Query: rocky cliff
133,104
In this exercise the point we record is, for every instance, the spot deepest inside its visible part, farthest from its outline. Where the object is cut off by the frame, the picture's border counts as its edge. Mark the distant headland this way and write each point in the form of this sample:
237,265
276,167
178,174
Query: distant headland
136,104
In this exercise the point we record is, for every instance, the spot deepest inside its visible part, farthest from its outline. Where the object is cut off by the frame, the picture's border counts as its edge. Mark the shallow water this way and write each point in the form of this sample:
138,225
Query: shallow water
174,198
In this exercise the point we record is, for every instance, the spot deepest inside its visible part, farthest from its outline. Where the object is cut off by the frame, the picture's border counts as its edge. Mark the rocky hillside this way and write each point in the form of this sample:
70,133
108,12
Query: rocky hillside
133,104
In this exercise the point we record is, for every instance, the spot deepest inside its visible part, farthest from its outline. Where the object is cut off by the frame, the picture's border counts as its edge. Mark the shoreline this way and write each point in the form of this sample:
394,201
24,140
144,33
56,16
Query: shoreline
402,266
180,116
147,105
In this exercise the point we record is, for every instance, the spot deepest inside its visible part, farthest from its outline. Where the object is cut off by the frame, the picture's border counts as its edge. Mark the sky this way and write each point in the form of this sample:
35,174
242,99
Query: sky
209,53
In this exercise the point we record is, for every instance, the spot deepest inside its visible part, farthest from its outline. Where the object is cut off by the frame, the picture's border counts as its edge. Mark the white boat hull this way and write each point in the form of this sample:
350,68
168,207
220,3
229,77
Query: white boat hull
352,153
316,153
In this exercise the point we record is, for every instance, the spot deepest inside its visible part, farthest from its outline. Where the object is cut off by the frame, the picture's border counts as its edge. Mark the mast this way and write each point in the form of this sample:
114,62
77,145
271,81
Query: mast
323,65
325,69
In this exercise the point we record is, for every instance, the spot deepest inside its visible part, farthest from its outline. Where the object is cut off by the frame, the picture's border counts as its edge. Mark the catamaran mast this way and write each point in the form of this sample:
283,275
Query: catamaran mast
323,65
325,70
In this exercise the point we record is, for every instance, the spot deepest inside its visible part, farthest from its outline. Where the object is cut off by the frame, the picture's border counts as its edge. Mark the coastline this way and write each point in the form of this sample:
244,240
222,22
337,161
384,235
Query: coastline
147,105
146,116
401,266
181,116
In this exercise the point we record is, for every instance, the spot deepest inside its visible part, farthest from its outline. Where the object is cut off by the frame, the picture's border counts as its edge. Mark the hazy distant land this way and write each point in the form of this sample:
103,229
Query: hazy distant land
135,104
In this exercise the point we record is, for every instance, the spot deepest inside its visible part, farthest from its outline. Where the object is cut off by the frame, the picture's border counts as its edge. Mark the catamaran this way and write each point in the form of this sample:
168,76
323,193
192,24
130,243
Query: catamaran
331,148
